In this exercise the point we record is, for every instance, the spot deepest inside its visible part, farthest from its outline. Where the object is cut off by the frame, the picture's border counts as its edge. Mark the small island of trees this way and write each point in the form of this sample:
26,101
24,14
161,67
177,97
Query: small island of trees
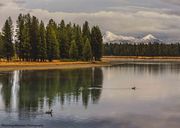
34,41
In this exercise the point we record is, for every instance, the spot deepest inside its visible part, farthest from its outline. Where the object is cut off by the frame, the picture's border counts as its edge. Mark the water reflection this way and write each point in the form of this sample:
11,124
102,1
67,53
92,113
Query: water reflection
32,91
94,97
15,90
150,68
6,80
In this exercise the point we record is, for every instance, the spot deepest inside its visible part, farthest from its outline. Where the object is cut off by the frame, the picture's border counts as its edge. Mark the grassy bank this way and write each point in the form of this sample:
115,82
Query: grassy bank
48,65
106,61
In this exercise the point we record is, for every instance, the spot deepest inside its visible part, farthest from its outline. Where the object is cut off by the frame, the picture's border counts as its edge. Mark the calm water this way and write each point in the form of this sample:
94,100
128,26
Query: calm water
93,97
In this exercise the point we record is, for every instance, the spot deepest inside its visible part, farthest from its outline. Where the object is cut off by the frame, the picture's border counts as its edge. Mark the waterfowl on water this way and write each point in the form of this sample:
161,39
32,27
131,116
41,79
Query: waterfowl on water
49,112
133,88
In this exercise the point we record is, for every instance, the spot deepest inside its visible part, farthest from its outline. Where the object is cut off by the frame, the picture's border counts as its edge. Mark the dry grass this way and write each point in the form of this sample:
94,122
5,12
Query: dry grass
39,63
106,60
141,58
47,65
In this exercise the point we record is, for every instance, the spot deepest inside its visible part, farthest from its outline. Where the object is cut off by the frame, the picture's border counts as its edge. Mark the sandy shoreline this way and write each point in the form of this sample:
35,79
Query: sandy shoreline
106,61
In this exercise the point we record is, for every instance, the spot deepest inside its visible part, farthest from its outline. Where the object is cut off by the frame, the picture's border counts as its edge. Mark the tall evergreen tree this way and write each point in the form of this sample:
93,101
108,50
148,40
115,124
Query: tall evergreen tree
27,30
7,33
86,31
1,47
79,40
96,43
23,42
52,43
69,36
19,36
87,52
54,25
35,39
73,52
43,47
63,40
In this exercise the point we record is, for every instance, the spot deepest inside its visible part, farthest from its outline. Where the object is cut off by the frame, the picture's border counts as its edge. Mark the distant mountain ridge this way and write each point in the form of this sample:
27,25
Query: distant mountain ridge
110,37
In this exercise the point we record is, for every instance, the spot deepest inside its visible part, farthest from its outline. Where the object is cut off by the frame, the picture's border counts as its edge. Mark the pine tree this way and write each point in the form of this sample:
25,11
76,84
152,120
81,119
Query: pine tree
87,52
86,31
63,40
7,33
79,40
35,39
52,43
43,47
27,47
96,43
69,38
73,52
23,42
19,36
1,47
54,26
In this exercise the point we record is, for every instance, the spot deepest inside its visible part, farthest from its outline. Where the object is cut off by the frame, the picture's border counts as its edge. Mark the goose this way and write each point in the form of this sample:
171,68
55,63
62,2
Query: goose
133,88
49,112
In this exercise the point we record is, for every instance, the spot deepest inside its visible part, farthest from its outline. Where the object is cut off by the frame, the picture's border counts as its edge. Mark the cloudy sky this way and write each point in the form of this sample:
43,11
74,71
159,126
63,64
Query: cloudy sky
127,17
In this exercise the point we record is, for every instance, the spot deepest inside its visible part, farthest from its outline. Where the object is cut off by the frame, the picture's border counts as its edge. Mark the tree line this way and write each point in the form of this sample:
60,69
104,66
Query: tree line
34,41
150,49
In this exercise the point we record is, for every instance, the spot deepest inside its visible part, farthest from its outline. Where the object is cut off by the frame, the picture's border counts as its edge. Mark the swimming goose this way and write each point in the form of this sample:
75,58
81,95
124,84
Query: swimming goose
133,88
49,112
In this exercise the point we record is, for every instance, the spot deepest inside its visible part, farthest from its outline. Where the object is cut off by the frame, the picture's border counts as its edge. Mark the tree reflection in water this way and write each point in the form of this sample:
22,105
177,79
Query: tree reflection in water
30,91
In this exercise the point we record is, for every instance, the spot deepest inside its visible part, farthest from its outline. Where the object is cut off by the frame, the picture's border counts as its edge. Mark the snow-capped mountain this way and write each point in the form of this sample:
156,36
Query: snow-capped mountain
149,37
110,37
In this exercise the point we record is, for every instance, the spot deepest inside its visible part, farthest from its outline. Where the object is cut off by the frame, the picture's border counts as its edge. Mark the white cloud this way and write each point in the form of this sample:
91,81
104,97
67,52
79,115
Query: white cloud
132,20
172,1
8,9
